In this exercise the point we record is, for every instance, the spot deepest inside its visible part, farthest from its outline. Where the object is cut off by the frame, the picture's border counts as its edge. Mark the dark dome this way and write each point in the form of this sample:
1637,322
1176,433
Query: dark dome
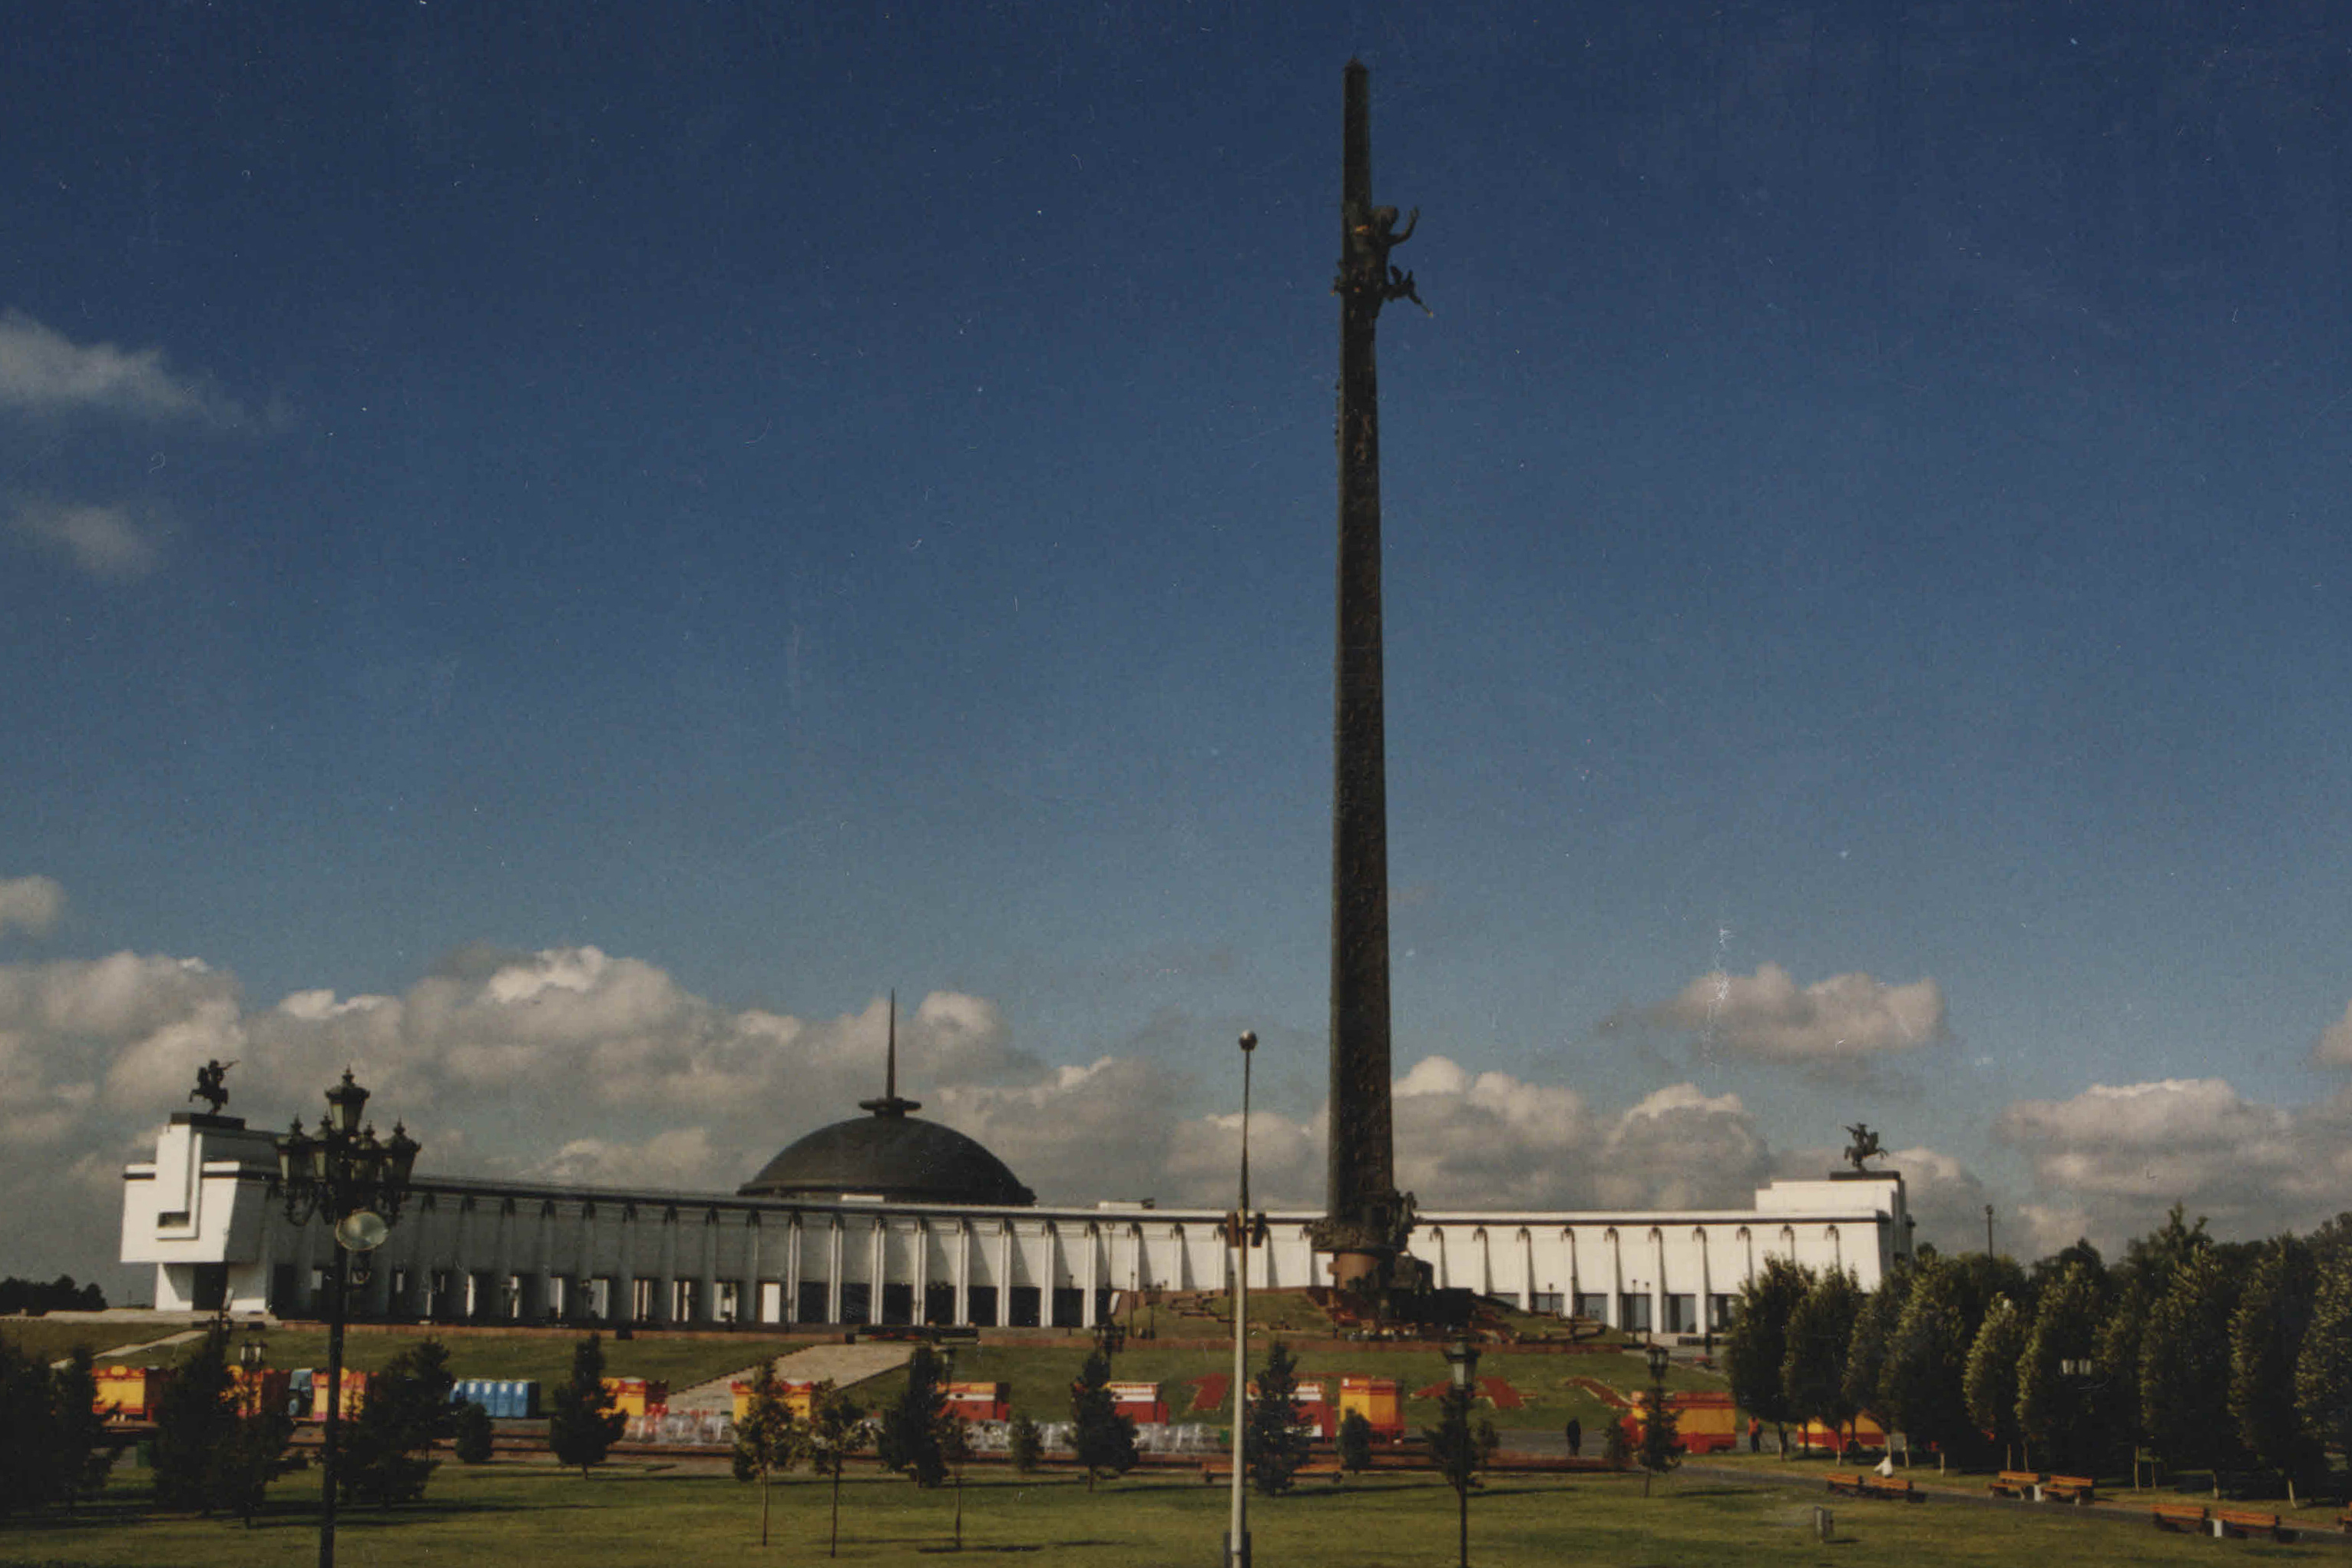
893,1156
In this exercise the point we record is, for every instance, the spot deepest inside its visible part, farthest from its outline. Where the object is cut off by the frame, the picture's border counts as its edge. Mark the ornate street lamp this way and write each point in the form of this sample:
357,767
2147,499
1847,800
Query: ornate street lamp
251,1357
1461,1360
344,1176
1237,1526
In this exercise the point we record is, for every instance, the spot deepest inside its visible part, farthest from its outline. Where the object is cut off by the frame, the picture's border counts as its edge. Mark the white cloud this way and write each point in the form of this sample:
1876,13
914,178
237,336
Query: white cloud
103,540
2334,1047
43,371
30,904
1845,1018
678,1159
2110,1161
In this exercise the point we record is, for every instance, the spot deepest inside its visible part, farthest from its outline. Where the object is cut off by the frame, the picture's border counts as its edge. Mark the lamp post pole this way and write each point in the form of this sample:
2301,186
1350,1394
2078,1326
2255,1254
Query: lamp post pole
1658,1356
357,1184
1237,1553
1461,1360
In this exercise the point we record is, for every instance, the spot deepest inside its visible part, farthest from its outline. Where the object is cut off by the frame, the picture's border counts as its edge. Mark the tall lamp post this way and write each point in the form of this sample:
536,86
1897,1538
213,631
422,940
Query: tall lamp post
1659,1355
1461,1360
344,1176
1237,1527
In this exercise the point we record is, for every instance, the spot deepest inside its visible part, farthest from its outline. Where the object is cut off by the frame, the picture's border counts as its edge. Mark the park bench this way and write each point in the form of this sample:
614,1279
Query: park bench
2238,1521
1215,1471
1892,1486
1845,1482
2014,1483
2179,1516
2070,1488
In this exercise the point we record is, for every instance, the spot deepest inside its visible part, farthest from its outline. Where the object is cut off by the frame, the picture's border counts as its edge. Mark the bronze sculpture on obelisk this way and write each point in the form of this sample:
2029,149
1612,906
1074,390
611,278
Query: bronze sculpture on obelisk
1366,1219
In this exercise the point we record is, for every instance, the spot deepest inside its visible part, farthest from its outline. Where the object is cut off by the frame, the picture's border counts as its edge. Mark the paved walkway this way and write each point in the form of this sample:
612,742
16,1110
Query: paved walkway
844,1364
124,1352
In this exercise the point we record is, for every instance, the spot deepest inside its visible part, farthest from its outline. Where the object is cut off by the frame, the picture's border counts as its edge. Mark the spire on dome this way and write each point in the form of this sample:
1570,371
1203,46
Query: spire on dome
890,1104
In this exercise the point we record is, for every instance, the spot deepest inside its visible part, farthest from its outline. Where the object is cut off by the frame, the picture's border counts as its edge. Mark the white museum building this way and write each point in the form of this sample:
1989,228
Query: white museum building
887,1218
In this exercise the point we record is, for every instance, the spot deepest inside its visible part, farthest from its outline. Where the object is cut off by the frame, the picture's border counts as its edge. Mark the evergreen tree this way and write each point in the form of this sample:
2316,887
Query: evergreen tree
1991,1381
1922,1385
1104,1439
27,1432
1458,1445
1660,1449
1025,1446
1275,1442
388,1449
2266,1335
2323,1367
2057,1411
1616,1448
2184,1366
836,1429
195,1417
581,1424
1820,1333
1355,1443
77,1446
909,1439
254,1455
472,1434
767,1437
1758,1345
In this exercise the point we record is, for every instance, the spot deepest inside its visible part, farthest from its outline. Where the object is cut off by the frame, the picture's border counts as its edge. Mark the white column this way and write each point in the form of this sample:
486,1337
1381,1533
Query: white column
752,1236
1658,1285
1526,1270
1004,1272
963,1271
1093,1236
795,1235
922,1266
833,1273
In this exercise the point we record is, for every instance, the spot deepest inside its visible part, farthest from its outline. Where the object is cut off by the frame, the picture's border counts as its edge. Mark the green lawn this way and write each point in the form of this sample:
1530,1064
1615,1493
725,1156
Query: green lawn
641,1514
678,1362
46,1341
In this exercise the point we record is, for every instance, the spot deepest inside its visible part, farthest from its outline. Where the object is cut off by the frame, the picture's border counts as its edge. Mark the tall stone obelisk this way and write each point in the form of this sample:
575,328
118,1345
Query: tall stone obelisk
1366,1219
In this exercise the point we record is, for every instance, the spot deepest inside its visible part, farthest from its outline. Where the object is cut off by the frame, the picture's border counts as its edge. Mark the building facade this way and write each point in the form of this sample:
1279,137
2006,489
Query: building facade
204,1212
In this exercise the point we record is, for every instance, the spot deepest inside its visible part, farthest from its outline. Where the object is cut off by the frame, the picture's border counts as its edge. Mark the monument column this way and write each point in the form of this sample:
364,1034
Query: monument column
1366,1220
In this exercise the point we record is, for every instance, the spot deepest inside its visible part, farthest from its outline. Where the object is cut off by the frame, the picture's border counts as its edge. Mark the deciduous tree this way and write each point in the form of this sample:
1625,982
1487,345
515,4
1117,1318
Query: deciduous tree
2266,1334
1991,1381
2323,1367
1820,1333
768,1439
1758,1345
2057,1402
836,1429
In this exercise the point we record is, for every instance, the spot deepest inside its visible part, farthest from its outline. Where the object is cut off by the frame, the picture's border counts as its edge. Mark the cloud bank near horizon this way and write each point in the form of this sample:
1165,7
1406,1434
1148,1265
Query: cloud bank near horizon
574,1064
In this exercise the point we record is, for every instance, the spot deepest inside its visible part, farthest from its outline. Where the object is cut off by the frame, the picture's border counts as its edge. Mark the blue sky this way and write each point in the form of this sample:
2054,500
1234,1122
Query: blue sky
800,502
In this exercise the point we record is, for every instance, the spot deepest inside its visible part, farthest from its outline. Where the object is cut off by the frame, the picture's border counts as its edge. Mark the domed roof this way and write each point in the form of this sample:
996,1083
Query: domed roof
890,1155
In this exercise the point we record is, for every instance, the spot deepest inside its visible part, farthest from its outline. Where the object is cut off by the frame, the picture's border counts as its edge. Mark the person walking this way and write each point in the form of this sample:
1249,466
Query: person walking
1575,1438
1755,1434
